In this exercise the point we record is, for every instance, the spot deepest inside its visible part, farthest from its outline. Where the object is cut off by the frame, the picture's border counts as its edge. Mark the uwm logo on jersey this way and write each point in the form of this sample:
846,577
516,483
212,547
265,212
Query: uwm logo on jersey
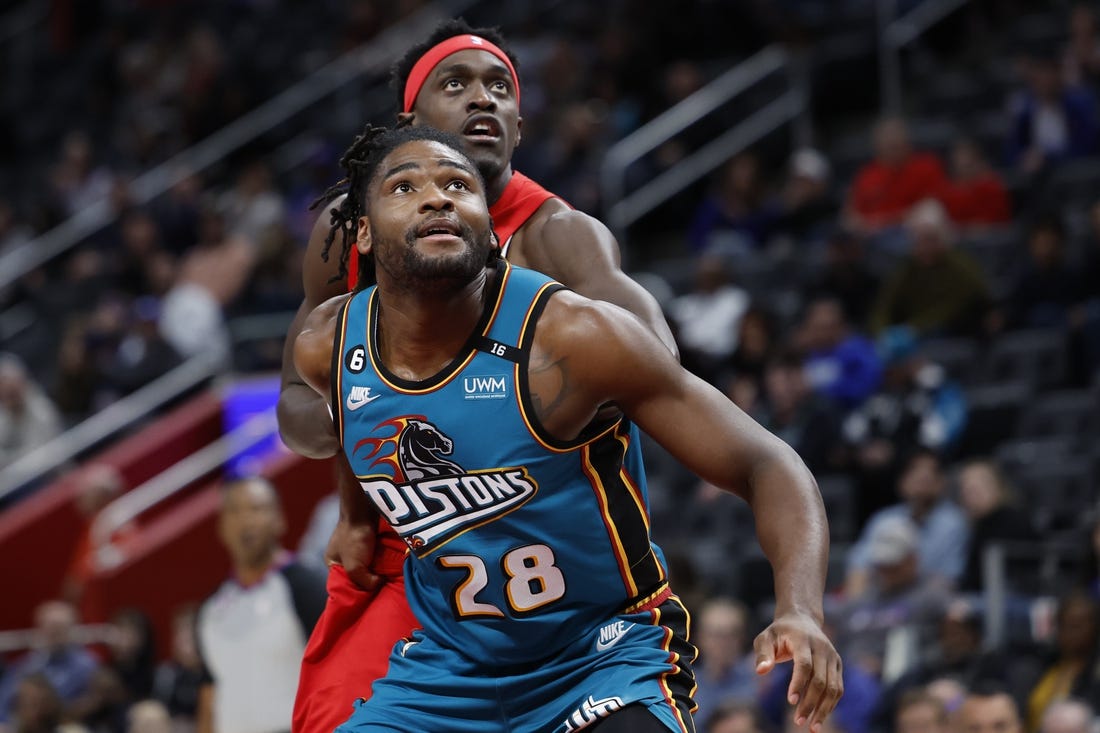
427,498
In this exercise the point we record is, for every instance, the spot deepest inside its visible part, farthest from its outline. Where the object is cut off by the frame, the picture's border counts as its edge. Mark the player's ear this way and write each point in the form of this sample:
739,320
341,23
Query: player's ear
406,119
519,130
362,236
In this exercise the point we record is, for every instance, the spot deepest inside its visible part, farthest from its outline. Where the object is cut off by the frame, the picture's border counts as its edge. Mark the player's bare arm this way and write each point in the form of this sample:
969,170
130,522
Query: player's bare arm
586,353
303,414
579,251
352,544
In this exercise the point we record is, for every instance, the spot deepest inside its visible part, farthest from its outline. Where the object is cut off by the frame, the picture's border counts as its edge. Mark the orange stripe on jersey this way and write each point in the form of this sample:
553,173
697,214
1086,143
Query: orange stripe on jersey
673,659
605,513
338,372
372,305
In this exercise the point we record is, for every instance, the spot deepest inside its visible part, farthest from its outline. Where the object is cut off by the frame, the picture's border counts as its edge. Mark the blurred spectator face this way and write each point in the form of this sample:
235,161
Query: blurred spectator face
921,716
967,161
959,634
897,576
980,490
1076,632
1045,80
891,141
139,233
785,385
928,227
722,634
148,716
824,326
754,334
949,691
13,385
99,484
740,176
1045,246
922,483
1082,23
132,634
184,645
1067,716
54,622
681,80
251,523
710,274
738,720
989,714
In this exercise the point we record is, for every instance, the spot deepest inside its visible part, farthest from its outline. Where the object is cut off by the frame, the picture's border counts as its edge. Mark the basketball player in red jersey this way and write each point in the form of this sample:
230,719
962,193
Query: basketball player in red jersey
460,80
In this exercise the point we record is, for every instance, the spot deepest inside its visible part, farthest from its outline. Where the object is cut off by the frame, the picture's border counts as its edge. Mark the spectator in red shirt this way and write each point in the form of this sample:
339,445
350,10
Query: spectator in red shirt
974,195
887,187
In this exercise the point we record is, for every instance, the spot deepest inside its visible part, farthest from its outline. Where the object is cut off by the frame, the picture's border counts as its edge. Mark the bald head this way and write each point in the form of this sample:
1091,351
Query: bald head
251,523
54,621
1067,716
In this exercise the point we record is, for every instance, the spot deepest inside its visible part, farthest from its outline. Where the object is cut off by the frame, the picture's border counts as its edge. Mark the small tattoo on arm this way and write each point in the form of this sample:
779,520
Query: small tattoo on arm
549,378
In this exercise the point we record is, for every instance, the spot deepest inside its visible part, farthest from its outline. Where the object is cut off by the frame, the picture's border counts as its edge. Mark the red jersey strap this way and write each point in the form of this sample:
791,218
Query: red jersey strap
521,198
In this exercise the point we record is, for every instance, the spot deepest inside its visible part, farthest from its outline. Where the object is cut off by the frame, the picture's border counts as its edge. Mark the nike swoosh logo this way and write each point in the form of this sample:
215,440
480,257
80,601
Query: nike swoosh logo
602,646
355,404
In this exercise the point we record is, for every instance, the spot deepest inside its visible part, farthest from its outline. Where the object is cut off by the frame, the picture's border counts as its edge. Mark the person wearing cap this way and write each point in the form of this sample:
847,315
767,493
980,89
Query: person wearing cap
898,597
464,81
942,532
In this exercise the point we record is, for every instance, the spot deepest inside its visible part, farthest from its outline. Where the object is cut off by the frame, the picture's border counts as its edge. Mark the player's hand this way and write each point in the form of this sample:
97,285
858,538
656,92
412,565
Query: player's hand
816,683
352,547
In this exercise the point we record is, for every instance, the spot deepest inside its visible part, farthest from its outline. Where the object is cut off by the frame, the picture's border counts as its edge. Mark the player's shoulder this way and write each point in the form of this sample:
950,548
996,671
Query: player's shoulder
571,318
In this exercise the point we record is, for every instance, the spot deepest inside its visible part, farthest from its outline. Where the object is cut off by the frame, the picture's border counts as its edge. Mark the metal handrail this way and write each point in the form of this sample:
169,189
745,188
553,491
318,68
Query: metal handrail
375,55
787,107
170,481
896,33
18,639
116,417
625,209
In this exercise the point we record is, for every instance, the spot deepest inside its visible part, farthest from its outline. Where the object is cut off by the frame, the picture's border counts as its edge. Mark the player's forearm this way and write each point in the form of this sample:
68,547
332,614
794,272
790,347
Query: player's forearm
793,532
304,422
355,507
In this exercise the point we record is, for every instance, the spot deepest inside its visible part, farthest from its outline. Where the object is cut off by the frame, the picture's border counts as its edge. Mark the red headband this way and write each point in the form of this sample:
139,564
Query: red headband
437,53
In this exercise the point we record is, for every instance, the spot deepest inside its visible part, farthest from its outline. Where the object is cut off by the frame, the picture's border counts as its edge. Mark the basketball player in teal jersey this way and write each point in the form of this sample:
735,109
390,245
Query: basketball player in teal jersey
463,80
465,394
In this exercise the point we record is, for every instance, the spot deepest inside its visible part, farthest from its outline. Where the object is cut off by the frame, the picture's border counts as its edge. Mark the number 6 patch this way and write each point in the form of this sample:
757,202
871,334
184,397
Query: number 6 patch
355,360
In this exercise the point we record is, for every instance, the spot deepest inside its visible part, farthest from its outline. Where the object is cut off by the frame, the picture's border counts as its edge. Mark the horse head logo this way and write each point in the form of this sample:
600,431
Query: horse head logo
420,451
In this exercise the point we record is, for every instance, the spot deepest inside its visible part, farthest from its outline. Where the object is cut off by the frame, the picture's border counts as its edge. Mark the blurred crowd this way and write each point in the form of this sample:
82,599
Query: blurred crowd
919,320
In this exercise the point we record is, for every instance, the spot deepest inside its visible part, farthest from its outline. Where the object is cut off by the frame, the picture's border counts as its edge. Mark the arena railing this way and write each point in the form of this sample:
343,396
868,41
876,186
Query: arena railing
35,466
172,480
375,56
896,33
623,208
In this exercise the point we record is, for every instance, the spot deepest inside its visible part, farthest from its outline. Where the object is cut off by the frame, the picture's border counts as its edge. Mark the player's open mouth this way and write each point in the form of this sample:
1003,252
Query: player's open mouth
438,229
482,128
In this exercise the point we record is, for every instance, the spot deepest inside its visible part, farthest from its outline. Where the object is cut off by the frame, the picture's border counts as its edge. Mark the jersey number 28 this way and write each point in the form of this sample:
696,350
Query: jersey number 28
533,581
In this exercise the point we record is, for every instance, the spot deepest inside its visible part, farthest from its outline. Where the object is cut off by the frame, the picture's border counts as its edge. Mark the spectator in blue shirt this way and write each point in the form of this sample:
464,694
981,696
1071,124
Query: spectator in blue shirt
1051,121
841,364
56,657
941,525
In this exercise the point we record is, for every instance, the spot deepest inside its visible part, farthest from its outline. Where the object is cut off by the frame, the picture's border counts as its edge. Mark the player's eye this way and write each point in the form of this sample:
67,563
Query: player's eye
501,86
402,187
452,83
458,185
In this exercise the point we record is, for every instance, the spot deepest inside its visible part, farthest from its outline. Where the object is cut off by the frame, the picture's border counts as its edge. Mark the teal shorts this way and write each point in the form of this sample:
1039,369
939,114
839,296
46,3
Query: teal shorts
639,658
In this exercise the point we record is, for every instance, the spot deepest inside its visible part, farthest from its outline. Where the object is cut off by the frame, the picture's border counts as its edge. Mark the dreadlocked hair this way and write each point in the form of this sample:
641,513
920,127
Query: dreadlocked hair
399,72
360,162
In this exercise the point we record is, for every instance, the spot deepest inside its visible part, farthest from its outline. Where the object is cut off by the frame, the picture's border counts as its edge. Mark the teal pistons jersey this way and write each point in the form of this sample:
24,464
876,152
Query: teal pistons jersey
518,542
